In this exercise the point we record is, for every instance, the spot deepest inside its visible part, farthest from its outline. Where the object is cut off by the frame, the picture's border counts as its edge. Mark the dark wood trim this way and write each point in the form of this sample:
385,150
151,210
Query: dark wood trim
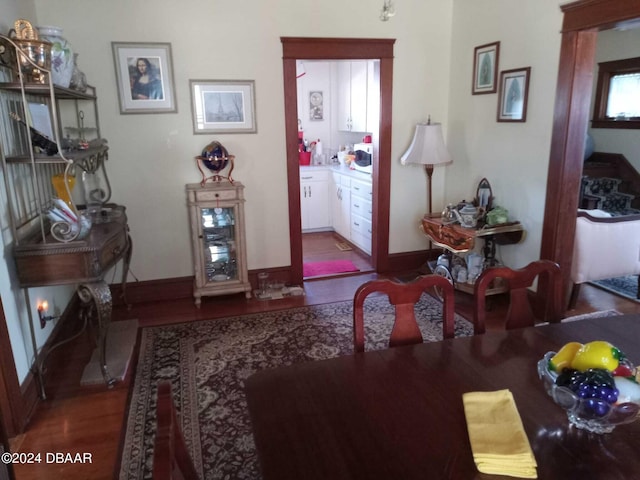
153,290
573,96
567,147
30,390
11,402
294,48
407,261
600,14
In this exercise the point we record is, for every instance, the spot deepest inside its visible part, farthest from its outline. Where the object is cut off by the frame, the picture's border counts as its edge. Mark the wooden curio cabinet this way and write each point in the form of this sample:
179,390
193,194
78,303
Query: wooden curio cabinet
216,214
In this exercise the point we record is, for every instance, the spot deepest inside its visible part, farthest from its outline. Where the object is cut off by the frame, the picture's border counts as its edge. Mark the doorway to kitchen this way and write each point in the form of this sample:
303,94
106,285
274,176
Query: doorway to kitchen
338,120
298,48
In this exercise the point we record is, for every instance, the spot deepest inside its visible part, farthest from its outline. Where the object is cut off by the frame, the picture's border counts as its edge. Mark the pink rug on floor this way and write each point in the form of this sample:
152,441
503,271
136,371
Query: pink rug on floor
315,269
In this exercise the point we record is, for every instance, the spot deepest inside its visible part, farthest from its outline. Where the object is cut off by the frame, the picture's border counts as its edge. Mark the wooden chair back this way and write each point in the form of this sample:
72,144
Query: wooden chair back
171,459
403,296
520,313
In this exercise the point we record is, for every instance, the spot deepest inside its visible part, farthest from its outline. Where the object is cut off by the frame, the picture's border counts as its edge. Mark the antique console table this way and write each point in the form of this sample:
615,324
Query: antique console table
457,239
84,263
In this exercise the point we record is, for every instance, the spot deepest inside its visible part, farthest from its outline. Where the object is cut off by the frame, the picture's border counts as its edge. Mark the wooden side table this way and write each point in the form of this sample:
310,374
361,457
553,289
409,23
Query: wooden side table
83,263
457,239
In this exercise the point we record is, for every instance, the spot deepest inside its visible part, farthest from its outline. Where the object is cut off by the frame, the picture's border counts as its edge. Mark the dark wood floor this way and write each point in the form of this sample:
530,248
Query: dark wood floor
90,419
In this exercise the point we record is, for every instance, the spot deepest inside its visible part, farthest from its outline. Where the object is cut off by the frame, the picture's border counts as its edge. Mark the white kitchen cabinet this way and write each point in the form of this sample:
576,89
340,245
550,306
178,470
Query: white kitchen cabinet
315,204
361,214
341,204
352,96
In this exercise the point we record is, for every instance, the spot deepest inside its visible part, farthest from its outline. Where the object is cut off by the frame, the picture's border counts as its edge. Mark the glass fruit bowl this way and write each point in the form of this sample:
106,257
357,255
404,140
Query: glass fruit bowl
598,415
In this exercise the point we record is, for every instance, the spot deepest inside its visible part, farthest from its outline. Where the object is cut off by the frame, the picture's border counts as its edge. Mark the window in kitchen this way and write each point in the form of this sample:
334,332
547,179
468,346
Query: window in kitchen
617,102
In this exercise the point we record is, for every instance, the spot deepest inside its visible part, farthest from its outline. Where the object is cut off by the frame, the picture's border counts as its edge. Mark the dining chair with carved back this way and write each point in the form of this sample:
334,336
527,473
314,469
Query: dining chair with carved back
520,312
403,296
171,459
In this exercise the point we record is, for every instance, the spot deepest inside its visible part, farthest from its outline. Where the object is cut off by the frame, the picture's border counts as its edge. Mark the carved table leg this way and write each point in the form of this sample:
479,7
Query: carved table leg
98,294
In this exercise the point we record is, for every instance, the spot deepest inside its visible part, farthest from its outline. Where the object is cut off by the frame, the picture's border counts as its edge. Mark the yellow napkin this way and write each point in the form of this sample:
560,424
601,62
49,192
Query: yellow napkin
497,436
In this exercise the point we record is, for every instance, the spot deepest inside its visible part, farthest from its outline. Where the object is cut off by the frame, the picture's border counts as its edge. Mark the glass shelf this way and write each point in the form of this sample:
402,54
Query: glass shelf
219,244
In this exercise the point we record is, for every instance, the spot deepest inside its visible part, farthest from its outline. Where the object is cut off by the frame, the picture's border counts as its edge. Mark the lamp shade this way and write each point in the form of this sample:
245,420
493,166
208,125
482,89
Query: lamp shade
427,146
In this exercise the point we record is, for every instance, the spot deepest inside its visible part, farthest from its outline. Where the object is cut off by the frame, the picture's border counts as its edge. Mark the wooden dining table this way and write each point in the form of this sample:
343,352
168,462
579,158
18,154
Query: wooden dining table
398,414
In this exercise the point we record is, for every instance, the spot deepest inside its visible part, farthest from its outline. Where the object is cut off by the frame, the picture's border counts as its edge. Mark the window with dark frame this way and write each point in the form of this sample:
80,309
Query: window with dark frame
617,102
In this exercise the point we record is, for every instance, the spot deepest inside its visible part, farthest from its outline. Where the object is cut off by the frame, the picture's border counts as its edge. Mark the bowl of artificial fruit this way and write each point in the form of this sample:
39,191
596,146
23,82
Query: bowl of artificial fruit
595,383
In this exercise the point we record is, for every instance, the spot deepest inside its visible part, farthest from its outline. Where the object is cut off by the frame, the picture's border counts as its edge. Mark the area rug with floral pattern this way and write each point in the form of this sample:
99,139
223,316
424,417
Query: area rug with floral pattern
207,363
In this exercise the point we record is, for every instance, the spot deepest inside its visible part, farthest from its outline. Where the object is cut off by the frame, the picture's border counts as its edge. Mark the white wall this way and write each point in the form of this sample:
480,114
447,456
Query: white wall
152,156
514,157
616,45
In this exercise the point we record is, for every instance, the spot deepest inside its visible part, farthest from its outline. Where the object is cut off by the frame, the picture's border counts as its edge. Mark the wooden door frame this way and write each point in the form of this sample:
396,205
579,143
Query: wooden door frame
11,401
581,23
301,48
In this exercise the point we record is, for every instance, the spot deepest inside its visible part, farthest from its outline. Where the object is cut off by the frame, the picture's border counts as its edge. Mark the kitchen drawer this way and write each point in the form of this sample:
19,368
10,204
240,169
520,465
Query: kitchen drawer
361,207
361,189
361,226
314,175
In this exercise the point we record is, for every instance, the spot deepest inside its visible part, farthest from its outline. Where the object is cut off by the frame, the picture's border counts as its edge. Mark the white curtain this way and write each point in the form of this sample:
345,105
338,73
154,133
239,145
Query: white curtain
624,96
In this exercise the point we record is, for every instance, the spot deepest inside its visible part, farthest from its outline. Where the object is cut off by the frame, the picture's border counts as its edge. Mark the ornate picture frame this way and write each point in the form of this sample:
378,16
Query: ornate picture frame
485,68
223,106
514,94
144,75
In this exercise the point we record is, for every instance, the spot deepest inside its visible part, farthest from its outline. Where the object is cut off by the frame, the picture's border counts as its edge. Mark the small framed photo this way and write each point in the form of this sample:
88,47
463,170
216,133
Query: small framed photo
514,93
485,68
316,106
223,106
144,72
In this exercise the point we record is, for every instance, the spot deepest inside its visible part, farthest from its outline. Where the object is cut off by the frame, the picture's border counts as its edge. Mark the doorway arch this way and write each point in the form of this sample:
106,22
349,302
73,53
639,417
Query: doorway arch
301,48
581,23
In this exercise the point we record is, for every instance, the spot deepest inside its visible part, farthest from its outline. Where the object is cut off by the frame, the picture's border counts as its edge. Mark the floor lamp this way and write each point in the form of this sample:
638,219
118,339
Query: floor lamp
427,148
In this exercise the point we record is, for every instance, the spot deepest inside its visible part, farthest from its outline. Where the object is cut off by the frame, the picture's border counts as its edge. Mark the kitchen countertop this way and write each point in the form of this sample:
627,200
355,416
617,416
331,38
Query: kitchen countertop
342,169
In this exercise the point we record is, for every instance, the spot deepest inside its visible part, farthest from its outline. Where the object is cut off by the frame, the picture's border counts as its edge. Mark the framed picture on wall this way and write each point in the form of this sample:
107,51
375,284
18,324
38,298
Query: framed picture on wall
223,106
316,106
514,93
485,68
144,72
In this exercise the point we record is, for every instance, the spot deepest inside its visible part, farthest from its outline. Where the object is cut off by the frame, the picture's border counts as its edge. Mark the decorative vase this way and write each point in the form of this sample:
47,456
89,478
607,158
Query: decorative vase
78,78
63,185
61,55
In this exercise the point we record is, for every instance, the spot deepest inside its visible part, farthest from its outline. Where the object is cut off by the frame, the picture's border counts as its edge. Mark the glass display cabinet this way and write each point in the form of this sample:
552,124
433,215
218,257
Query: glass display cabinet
219,247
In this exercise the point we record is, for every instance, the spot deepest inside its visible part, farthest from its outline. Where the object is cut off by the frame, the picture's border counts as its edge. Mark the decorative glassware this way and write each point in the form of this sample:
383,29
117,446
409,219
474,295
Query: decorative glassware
78,78
580,411
63,188
94,194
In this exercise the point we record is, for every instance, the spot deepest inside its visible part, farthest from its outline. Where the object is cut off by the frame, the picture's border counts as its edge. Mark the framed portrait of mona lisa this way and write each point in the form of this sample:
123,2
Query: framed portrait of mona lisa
144,74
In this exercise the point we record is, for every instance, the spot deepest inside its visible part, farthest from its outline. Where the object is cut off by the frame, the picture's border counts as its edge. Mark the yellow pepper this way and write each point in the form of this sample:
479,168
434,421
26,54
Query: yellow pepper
564,357
597,354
